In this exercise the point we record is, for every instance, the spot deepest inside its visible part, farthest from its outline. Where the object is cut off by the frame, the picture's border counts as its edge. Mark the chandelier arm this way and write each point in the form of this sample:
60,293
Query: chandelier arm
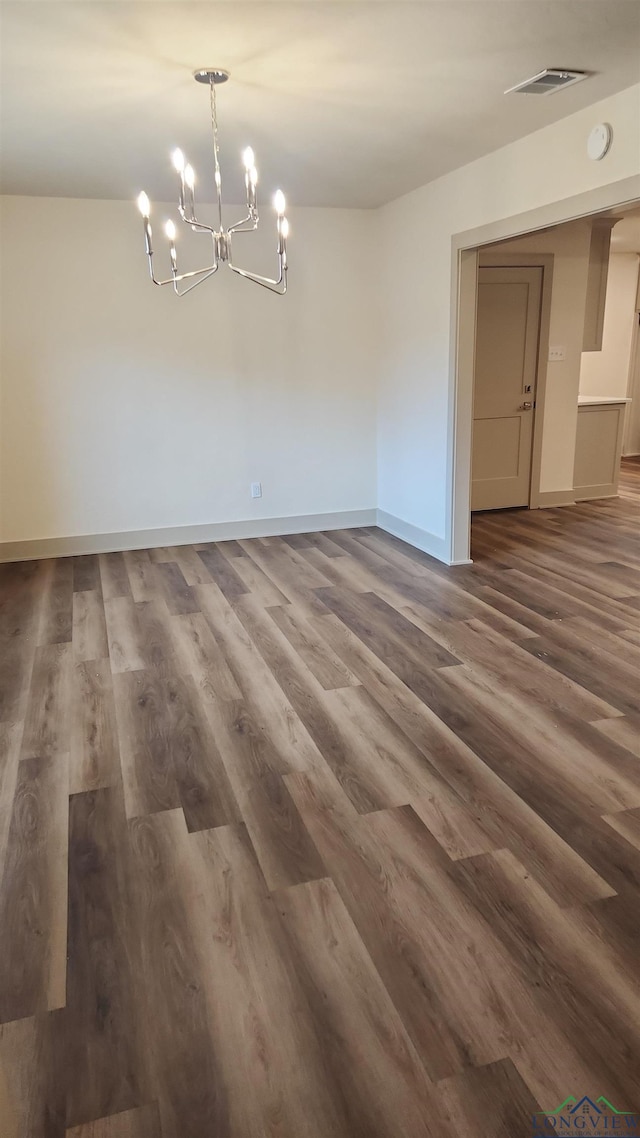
195,284
193,222
244,226
182,276
266,282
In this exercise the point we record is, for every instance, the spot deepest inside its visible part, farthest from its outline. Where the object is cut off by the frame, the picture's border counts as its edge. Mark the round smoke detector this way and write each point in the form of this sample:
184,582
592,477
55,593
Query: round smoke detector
599,141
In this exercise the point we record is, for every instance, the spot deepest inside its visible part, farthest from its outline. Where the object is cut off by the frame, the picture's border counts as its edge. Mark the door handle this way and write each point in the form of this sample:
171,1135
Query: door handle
526,406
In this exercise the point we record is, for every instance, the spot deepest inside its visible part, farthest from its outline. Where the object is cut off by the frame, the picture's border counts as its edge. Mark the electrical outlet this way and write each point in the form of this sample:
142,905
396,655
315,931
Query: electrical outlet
556,353
256,489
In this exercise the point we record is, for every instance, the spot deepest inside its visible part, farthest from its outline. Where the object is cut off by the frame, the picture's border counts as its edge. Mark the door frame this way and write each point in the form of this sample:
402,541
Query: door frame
465,248
633,379
490,260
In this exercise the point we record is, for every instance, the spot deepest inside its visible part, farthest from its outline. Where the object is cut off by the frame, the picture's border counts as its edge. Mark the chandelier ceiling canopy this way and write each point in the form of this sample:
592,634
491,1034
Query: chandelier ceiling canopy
220,237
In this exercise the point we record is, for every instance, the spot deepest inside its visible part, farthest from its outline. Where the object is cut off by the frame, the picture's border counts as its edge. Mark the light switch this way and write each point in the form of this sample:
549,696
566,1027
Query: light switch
556,352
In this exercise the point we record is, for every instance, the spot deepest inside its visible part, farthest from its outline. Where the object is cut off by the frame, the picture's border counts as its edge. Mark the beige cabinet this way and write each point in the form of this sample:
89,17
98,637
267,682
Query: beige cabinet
598,447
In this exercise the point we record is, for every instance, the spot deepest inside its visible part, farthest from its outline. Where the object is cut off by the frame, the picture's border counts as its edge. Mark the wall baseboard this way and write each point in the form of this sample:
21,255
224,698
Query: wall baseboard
591,493
78,545
413,535
38,548
548,498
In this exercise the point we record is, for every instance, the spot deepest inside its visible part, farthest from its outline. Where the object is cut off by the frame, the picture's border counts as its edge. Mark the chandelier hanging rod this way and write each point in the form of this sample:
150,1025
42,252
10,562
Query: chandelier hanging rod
221,238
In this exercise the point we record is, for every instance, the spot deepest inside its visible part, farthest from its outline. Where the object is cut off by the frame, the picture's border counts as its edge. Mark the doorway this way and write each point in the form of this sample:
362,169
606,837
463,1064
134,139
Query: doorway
508,324
466,250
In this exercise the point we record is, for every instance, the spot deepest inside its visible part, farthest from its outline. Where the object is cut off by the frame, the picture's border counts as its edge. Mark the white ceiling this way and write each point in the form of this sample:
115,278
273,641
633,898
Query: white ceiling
345,104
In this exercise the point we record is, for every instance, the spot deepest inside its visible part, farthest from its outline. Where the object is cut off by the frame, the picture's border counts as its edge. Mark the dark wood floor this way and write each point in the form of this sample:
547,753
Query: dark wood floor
312,836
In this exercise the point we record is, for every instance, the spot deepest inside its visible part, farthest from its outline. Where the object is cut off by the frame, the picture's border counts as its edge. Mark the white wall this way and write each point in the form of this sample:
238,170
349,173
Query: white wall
607,372
415,393
124,408
569,245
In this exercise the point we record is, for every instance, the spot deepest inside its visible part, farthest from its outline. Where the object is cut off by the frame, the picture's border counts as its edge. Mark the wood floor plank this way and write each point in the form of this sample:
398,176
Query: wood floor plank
142,579
86,573
290,573
32,1077
284,849
230,549
474,642
124,635
613,641
177,593
94,756
379,757
374,865
324,543
114,576
328,669
491,1100
33,893
222,572
610,785
142,1122
264,1035
203,658
346,751
385,629
625,731
169,755
265,702
191,566
627,823
390,860
47,720
257,582
155,632
56,622
255,770
186,1081
89,635
375,1067
21,586
490,803
104,1058
145,746
140,636
532,927
10,742
592,599
203,784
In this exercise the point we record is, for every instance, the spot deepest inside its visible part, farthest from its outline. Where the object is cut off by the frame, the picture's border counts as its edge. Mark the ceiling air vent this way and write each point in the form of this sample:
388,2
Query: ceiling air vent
547,81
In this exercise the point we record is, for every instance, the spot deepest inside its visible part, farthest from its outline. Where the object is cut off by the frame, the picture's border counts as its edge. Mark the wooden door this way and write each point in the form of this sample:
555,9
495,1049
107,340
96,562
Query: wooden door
507,340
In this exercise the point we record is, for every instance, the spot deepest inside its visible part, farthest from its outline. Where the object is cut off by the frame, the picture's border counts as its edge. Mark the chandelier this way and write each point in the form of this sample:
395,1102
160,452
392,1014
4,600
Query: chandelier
220,237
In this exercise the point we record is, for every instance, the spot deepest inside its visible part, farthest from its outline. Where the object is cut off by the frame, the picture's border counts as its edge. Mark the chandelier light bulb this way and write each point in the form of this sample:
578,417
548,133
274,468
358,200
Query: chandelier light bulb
189,176
248,157
170,230
253,176
284,228
143,204
279,203
178,160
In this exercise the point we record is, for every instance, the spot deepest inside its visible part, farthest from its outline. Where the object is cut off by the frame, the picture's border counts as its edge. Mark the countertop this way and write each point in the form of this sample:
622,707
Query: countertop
593,400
